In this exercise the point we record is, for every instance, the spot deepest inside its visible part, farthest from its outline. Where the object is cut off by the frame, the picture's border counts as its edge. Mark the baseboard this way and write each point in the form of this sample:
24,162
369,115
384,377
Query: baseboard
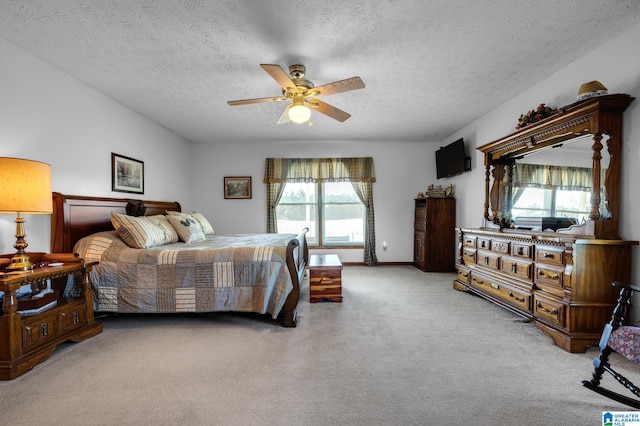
379,264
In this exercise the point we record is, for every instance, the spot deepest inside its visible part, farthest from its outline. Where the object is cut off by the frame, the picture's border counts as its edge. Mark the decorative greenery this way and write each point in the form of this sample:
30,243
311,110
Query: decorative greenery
535,115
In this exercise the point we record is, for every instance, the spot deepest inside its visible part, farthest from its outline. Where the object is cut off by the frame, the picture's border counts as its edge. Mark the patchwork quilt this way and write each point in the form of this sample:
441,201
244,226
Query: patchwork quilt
244,273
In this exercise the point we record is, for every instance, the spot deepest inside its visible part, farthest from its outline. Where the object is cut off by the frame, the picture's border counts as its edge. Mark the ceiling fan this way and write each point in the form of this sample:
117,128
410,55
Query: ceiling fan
303,95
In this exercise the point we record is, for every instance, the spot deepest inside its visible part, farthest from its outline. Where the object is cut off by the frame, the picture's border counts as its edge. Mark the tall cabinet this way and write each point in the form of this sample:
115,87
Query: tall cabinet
434,234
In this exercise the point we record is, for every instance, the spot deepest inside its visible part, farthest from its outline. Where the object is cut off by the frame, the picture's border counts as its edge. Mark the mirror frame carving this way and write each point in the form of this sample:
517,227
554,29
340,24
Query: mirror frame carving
597,116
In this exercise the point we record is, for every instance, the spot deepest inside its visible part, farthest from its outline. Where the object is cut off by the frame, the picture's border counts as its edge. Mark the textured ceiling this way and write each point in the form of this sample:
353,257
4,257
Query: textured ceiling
430,66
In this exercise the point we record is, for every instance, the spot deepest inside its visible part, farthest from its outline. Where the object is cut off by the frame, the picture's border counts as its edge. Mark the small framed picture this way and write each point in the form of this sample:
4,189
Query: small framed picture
237,187
127,174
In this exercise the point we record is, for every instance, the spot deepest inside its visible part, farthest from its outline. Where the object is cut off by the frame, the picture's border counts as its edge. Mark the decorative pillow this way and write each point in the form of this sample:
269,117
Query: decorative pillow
207,229
187,227
145,231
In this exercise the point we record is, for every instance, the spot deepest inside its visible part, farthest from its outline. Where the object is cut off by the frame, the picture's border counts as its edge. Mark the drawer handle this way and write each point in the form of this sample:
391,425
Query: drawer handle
548,276
76,317
547,255
514,267
548,311
44,329
468,254
478,281
521,300
495,286
486,260
520,251
326,281
463,274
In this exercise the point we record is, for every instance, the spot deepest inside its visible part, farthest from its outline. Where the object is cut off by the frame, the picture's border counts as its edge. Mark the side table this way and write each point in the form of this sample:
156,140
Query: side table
325,278
26,340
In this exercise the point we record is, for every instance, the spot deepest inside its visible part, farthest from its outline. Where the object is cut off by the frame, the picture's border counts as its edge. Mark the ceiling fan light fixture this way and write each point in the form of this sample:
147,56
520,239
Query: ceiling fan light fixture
299,113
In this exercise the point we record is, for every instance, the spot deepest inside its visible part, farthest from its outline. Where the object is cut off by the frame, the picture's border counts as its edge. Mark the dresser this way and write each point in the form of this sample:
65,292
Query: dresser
560,281
434,234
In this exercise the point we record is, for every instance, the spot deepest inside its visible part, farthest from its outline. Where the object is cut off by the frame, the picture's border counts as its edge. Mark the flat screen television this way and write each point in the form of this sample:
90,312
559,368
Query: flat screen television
451,160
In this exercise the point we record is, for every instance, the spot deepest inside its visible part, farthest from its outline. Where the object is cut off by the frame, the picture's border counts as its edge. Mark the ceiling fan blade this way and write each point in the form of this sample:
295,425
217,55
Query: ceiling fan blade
284,117
256,100
326,109
279,75
345,85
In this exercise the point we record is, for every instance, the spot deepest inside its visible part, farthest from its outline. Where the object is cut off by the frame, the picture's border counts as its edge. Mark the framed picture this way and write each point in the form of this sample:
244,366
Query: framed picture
127,174
237,187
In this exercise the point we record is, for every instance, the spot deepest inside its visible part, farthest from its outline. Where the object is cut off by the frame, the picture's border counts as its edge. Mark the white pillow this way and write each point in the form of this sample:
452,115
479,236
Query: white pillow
144,231
187,227
207,229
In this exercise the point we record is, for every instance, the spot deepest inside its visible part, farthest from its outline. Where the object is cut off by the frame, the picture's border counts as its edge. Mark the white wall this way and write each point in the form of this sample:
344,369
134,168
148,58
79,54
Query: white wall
48,116
617,66
402,170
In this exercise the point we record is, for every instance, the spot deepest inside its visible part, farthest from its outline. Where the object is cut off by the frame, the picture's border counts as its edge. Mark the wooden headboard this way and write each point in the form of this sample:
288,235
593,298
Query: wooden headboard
75,217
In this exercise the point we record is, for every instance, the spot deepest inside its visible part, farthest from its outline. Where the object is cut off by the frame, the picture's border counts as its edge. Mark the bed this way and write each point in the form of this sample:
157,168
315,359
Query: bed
259,273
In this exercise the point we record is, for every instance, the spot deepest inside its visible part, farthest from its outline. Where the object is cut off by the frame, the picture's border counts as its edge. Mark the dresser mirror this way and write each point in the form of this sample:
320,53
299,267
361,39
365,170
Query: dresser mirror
561,174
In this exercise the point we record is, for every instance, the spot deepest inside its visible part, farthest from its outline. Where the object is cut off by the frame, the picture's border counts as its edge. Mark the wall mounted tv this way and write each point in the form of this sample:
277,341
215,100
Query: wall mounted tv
451,160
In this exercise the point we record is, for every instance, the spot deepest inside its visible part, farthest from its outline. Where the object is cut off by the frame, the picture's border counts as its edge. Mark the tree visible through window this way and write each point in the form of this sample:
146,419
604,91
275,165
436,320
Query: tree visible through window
331,210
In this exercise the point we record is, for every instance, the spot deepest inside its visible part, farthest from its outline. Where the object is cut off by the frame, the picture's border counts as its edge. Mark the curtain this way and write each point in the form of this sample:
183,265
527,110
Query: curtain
552,177
357,170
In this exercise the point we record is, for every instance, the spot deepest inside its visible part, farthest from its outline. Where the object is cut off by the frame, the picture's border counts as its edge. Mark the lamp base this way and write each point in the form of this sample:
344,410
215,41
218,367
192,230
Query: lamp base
20,262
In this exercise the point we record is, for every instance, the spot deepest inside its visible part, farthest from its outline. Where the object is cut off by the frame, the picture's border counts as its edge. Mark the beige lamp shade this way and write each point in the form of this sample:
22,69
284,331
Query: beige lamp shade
25,186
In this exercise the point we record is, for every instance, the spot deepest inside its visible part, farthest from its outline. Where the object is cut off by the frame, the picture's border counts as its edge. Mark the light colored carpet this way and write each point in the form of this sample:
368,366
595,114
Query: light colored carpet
403,348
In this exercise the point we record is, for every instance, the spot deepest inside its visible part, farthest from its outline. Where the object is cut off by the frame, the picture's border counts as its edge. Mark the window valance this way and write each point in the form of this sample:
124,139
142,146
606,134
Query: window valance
354,169
558,177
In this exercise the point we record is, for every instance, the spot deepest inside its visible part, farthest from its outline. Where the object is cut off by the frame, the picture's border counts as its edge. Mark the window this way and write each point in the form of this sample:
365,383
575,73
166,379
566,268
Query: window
539,202
331,210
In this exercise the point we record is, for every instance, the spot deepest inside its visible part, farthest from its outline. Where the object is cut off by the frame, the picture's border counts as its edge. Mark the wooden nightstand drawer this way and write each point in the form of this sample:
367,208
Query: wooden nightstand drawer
73,316
39,330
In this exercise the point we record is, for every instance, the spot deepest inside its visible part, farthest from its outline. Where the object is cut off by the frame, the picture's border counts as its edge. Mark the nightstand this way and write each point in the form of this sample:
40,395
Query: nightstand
28,339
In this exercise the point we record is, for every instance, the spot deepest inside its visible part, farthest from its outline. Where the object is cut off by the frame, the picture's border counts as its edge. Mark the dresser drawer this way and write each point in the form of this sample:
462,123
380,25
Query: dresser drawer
501,247
517,267
464,274
550,310
469,256
549,275
551,255
511,295
521,250
484,243
488,260
469,241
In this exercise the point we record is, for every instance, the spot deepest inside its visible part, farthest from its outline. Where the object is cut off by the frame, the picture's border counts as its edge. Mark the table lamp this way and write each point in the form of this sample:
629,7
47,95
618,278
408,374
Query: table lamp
25,188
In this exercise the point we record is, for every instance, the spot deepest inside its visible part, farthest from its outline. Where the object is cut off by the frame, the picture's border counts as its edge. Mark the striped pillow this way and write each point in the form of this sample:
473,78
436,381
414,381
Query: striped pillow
145,231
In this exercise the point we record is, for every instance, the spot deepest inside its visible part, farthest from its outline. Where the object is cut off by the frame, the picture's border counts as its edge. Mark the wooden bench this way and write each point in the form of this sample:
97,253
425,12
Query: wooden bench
325,278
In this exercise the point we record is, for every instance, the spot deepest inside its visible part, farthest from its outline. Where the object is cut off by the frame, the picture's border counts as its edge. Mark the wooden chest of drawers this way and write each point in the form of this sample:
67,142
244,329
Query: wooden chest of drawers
325,278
